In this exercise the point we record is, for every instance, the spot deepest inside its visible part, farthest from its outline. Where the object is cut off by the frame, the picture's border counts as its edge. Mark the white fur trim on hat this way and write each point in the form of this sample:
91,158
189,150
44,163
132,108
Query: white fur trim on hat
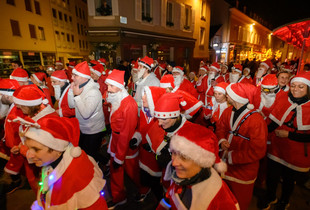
165,85
27,102
236,97
220,167
177,70
265,64
113,82
204,69
74,71
75,152
189,149
8,93
95,71
213,67
300,79
193,108
167,115
220,89
46,139
250,106
20,79
62,80
238,70
268,86
36,78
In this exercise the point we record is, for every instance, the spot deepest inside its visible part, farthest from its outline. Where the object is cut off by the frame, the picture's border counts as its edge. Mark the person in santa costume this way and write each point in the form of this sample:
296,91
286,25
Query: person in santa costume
214,78
21,76
284,77
150,172
49,72
59,65
88,109
263,69
133,79
202,83
70,67
194,182
192,78
160,69
123,120
289,135
236,75
39,79
146,78
63,94
224,72
182,83
247,74
70,179
218,104
242,134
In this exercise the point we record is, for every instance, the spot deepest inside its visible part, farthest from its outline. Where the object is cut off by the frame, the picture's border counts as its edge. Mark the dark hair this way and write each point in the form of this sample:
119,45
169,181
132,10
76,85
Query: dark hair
33,110
17,62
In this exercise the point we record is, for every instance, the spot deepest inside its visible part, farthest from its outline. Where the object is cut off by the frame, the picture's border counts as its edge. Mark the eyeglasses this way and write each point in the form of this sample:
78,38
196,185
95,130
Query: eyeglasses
267,90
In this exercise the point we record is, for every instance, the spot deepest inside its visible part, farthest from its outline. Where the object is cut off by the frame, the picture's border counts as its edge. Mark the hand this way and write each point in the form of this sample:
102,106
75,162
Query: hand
132,143
76,89
147,147
225,145
15,149
116,165
281,133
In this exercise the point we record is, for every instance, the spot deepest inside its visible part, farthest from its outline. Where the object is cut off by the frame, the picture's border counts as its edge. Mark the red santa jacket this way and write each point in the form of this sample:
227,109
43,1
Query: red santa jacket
211,193
46,91
202,86
226,77
63,105
210,89
157,72
50,86
69,187
147,160
243,154
187,86
292,154
243,79
123,122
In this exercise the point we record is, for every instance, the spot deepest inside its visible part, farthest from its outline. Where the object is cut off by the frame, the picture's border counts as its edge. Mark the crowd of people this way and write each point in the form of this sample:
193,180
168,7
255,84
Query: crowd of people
196,140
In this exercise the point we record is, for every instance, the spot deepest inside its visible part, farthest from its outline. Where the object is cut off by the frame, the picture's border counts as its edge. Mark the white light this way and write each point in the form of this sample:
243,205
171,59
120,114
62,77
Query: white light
123,19
217,51
215,45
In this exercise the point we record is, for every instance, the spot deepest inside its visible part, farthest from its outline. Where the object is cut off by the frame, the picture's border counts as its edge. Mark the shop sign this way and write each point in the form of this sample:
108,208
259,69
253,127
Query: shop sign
7,53
31,53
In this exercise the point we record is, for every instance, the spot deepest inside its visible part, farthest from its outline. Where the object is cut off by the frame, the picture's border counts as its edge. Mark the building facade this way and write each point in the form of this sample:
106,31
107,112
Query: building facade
168,30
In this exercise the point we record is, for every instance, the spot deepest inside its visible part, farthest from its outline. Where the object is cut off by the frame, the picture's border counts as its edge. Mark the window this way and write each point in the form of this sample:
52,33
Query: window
57,35
32,31
60,15
104,8
68,2
169,14
82,29
37,7
202,36
80,44
11,2
15,28
188,17
72,38
203,10
146,10
78,28
83,15
41,33
86,44
76,11
66,17
63,38
83,44
68,38
28,5
80,13
70,19
54,13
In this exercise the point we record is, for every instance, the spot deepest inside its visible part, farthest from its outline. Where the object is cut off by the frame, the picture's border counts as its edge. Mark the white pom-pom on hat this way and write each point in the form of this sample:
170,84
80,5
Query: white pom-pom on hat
75,152
250,106
183,103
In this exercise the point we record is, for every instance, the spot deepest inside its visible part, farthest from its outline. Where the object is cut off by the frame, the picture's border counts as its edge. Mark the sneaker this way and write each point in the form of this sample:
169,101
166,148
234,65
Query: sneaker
112,205
281,205
141,197
265,205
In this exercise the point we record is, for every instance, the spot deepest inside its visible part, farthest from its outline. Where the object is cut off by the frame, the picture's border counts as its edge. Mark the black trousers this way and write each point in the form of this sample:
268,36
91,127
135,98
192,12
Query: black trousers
91,143
153,182
275,171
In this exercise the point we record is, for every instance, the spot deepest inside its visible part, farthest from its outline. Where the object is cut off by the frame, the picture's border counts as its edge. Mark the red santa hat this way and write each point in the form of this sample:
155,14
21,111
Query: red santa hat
198,144
247,69
204,68
270,81
168,106
167,81
8,86
215,66
29,95
39,76
72,64
55,132
147,62
221,87
20,75
152,95
224,65
163,66
116,78
303,77
59,63
50,68
242,93
97,69
82,70
60,75
267,63
287,68
102,61
178,69
192,104
238,68
135,65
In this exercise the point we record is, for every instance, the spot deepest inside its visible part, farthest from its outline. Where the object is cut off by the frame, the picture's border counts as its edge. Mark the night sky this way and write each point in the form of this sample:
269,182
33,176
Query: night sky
277,12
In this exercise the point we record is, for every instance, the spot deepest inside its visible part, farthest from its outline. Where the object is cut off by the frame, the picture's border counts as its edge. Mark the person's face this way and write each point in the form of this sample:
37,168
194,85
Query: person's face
191,76
235,72
25,109
134,72
230,100
219,97
40,154
15,66
184,167
57,82
175,74
49,72
166,123
213,70
283,79
21,83
94,76
169,68
144,101
78,80
202,72
223,70
58,67
263,67
246,72
5,99
298,89
113,89
34,81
